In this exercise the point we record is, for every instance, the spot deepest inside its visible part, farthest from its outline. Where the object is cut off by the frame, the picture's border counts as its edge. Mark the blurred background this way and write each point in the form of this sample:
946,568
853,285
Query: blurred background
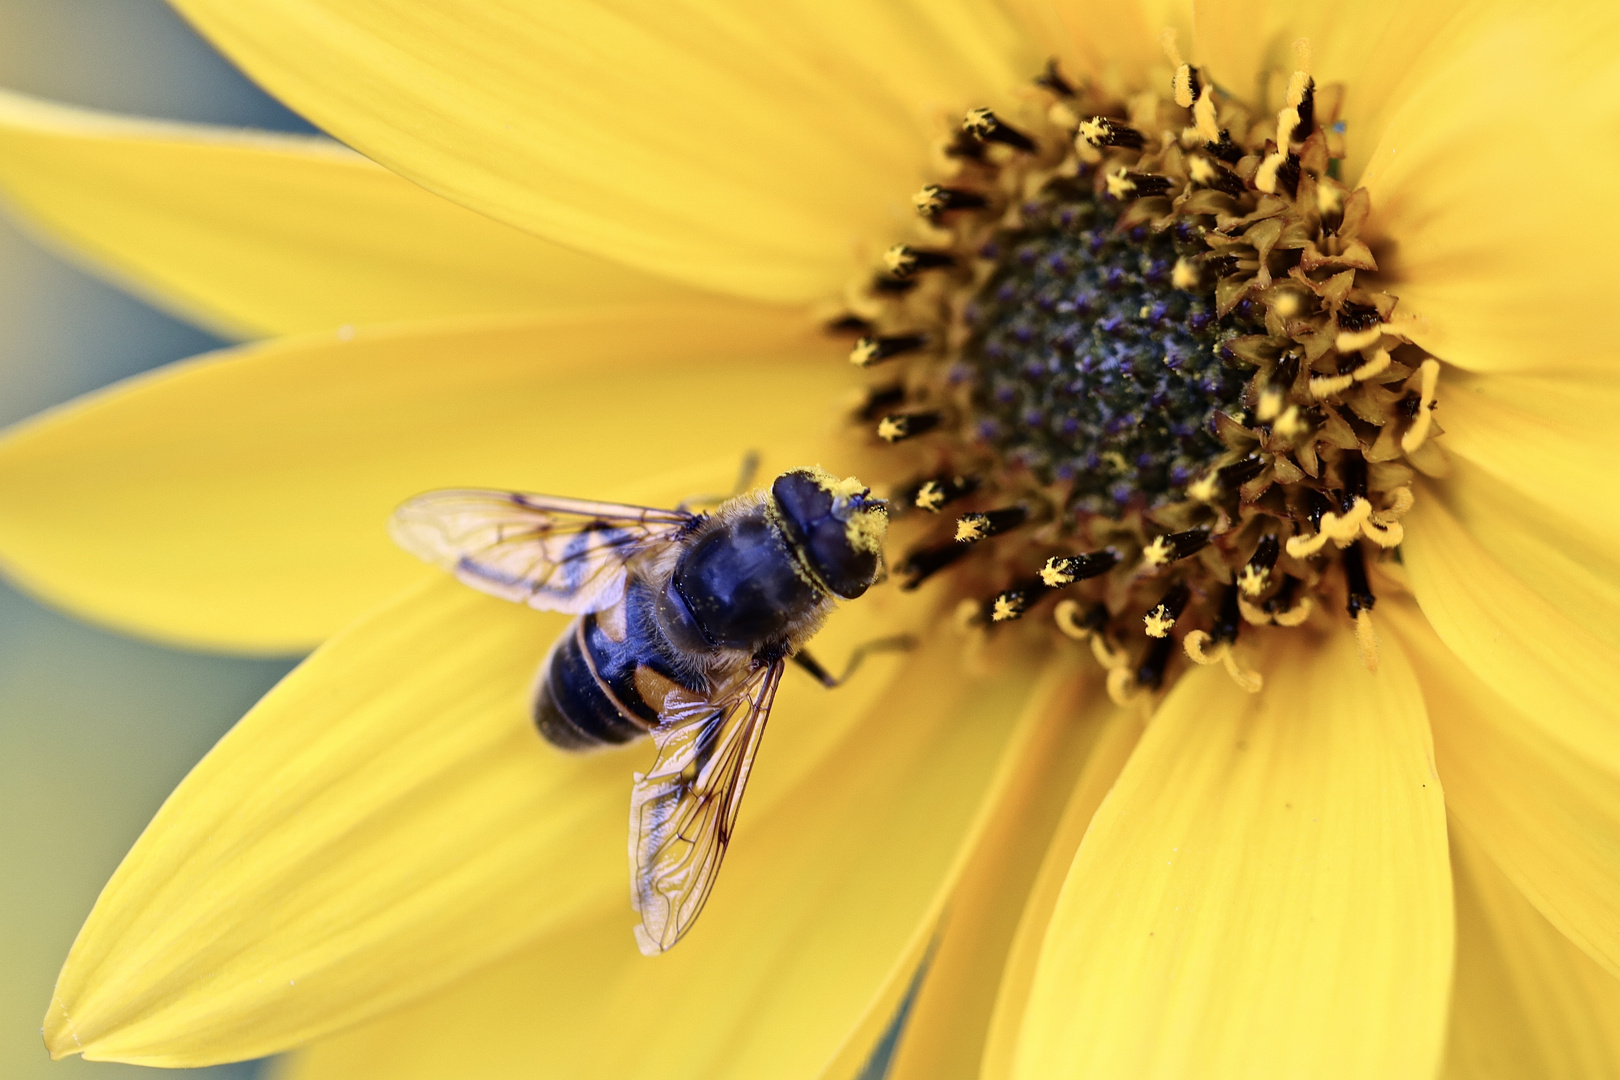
95,729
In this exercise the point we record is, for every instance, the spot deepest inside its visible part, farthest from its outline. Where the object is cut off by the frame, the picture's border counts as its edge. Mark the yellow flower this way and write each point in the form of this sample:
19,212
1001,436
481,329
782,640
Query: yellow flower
382,856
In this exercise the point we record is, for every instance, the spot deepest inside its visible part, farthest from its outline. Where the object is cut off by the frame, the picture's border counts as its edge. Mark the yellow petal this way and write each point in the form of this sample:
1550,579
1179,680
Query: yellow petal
1558,674
1370,46
746,148
946,981
384,818
1526,1002
1548,817
273,234
1562,562
1480,239
818,897
1265,892
1115,44
1552,436
240,501
1121,732
383,822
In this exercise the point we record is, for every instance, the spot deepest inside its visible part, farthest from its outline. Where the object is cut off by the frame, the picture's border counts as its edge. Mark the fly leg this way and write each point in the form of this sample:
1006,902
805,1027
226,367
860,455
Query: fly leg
746,474
898,643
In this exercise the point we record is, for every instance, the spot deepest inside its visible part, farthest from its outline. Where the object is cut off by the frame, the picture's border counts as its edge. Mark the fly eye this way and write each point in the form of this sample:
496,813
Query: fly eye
839,536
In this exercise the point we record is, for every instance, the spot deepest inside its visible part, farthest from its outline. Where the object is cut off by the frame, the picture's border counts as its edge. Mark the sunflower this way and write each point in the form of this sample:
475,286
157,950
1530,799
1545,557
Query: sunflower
1246,398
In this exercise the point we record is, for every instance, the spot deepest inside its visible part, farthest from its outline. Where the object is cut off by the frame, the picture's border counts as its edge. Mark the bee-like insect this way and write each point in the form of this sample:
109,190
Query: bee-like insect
686,622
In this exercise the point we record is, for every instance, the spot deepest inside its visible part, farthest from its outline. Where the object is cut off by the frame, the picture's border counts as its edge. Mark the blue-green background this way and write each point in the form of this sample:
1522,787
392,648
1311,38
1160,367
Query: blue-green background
95,729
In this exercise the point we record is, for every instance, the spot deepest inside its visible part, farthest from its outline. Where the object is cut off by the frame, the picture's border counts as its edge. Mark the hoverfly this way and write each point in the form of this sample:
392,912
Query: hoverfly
685,624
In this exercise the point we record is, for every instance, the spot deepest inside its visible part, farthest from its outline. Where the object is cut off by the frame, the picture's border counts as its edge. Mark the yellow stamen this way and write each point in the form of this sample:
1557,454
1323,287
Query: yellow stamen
930,200
1204,115
1206,487
865,352
1094,131
1290,423
1265,177
1007,608
1429,374
1185,275
1122,688
1383,534
1055,574
1067,617
1104,653
1253,614
1350,341
1253,579
930,497
1269,405
891,429
972,527
1295,615
1374,365
1327,385
899,260
1120,186
1158,552
1159,621
1367,640
1196,646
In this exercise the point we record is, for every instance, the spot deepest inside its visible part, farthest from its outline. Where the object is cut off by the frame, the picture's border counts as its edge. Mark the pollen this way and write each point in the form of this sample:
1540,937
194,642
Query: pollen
1135,343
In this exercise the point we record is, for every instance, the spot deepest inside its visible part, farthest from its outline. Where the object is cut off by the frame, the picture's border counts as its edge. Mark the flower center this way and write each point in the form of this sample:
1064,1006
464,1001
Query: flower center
1128,359
1088,366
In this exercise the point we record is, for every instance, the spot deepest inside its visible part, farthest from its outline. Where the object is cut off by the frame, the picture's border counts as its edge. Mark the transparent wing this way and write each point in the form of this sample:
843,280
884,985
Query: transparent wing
555,554
683,809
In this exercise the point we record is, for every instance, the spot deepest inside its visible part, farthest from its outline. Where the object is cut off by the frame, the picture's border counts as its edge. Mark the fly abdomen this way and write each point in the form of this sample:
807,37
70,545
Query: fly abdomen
600,687
572,707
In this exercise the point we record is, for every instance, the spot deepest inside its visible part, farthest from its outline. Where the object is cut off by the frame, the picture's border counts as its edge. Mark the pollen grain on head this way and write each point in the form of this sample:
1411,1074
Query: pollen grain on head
1131,343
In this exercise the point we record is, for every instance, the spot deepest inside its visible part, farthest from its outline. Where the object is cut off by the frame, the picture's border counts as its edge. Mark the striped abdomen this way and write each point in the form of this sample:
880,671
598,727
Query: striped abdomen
598,687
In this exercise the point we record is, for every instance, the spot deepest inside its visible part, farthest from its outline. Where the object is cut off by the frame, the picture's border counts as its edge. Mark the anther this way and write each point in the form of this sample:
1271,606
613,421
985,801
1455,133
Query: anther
876,348
971,528
879,400
897,427
1165,613
1256,573
1167,548
848,323
1053,80
986,126
1100,132
936,200
1359,326
1359,593
1150,673
1224,148
1125,184
921,565
902,260
1359,603
1278,170
1012,603
1212,174
933,495
1227,478
1061,570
